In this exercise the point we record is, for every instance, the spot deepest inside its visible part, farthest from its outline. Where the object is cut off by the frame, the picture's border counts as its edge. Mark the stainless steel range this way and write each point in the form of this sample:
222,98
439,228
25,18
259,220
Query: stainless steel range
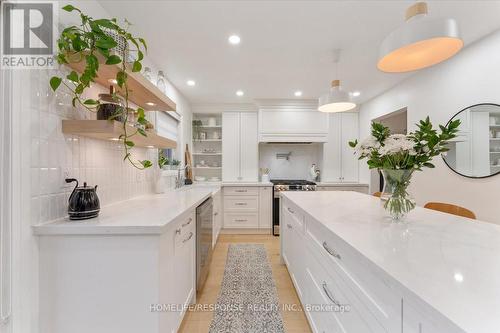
281,185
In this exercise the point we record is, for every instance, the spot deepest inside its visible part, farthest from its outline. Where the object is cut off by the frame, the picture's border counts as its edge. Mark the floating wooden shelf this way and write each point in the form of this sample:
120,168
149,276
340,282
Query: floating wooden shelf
141,90
109,130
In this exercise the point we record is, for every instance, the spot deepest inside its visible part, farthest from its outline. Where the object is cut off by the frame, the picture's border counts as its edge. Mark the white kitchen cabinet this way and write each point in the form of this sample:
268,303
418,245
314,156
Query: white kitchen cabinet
265,207
248,208
339,162
292,124
240,147
217,211
231,146
118,283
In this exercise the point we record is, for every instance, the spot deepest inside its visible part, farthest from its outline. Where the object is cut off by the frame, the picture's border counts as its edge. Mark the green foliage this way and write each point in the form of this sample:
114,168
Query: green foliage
413,151
162,160
87,42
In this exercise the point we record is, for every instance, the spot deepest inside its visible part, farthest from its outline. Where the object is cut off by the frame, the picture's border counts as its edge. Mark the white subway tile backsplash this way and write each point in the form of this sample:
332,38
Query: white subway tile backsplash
55,156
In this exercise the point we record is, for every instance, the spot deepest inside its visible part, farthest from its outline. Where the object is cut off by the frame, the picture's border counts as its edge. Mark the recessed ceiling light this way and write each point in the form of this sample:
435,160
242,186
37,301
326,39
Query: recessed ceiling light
113,81
356,93
234,39
150,103
298,93
191,83
240,93
458,277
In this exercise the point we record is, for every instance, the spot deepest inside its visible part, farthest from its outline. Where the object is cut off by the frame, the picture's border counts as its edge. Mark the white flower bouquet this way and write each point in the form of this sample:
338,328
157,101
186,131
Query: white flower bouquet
398,155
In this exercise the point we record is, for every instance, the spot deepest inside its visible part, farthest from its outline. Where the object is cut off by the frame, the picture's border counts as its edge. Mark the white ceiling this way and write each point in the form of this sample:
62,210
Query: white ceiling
285,45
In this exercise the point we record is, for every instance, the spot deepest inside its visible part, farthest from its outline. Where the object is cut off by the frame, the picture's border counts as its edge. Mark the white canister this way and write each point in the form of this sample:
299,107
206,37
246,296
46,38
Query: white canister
215,135
265,178
212,122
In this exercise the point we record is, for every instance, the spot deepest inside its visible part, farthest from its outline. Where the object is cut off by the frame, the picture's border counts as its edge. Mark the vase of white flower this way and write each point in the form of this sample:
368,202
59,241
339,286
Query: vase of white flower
395,195
397,156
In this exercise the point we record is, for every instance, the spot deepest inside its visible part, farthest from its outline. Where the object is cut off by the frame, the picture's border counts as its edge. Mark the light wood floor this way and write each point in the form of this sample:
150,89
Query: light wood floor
199,322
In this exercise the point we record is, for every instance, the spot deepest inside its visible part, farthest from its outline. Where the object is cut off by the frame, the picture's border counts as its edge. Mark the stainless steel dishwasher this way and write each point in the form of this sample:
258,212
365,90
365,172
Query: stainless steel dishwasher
204,234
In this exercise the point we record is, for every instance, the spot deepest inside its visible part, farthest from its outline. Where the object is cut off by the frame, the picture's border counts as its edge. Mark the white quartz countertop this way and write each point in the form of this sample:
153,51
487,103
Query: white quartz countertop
245,184
339,184
449,262
143,215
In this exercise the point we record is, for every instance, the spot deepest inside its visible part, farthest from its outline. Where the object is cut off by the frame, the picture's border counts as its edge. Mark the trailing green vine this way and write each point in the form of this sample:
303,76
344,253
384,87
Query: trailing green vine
88,42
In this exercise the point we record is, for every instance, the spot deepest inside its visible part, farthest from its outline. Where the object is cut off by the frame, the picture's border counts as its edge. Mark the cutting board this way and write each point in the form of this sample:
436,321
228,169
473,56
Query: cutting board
189,163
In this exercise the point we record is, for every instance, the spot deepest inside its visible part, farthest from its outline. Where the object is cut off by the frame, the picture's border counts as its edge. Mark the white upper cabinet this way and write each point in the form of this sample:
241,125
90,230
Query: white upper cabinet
240,160
292,123
249,147
339,162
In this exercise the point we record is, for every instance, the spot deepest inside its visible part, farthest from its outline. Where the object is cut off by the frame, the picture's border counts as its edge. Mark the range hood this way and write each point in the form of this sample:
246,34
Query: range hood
292,123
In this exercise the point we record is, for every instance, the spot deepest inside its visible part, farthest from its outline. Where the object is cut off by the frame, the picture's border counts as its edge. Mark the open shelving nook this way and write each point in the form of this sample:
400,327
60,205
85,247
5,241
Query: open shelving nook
207,143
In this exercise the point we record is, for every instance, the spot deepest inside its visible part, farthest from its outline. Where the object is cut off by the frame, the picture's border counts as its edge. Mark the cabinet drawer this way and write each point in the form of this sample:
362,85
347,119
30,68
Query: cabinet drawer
241,220
241,203
339,306
292,221
357,274
240,190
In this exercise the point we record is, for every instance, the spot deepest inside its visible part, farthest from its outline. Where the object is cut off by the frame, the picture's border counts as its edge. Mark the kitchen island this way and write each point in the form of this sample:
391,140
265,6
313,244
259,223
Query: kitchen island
132,269
434,272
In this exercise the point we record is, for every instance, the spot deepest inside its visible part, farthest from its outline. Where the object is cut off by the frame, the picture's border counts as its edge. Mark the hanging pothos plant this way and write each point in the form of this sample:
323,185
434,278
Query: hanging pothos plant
88,42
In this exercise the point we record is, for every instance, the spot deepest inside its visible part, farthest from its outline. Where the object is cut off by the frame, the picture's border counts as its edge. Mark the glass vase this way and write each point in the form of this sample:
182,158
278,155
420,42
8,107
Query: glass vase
161,82
396,199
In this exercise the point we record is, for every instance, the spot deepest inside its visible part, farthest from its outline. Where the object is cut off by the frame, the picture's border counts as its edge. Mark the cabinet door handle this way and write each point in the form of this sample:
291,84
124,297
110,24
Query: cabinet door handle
329,294
332,252
290,210
188,222
178,231
241,191
289,226
238,220
189,237
240,203
216,213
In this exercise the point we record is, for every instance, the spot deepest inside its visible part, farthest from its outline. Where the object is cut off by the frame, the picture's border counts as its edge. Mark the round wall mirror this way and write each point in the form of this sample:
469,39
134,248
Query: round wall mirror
475,152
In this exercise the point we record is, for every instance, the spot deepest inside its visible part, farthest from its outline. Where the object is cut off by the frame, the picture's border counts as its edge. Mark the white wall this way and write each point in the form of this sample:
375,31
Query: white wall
43,157
299,164
469,78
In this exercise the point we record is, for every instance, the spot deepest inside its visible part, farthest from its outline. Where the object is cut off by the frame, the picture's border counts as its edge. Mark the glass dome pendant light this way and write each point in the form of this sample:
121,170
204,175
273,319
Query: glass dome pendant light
421,42
336,100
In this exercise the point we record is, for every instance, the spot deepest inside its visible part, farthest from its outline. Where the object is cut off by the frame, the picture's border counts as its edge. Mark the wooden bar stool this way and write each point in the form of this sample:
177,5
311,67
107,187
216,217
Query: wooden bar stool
450,209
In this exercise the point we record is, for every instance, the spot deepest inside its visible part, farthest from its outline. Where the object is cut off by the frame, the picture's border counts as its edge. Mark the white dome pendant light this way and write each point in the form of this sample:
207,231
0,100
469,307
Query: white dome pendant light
419,43
336,100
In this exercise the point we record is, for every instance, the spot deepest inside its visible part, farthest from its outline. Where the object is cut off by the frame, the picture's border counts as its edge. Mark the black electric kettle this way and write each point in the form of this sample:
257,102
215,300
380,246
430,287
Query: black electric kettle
83,202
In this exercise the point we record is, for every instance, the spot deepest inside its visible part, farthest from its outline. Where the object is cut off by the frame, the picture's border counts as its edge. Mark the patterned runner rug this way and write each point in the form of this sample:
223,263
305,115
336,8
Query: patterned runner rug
248,301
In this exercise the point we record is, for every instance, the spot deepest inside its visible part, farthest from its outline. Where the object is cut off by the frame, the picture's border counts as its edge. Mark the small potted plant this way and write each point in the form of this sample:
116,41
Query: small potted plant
397,156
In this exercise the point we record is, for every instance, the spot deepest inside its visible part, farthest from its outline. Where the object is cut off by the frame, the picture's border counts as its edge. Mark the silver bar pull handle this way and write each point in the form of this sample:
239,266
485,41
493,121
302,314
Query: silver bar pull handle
240,220
290,210
178,231
331,251
289,226
241,204
188,222
329,294
189,237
